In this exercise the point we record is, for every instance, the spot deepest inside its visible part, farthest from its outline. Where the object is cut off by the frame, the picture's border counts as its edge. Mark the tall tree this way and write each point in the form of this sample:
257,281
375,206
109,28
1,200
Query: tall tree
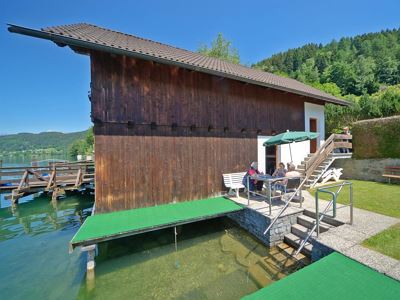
221,48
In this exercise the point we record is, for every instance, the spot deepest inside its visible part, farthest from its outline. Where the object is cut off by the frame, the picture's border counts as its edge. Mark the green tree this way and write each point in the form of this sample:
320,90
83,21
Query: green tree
328,87
343,76
83,146
308,72
221,48
369,108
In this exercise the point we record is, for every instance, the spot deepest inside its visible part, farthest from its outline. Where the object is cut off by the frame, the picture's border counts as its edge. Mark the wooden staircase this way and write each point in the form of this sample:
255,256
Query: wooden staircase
321,169
316,164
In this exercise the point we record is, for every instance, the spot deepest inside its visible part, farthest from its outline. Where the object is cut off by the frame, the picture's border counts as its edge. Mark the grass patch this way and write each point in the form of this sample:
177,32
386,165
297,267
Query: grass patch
378,197
387,242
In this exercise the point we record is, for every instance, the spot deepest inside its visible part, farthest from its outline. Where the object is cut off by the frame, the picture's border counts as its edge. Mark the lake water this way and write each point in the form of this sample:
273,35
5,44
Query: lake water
214,259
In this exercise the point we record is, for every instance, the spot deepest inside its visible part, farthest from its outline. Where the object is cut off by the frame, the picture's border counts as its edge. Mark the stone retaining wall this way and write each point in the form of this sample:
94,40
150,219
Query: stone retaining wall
256,223
365,169
319,250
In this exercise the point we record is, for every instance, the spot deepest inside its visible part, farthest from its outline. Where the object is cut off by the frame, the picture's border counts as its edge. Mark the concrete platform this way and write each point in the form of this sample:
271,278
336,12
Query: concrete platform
262,207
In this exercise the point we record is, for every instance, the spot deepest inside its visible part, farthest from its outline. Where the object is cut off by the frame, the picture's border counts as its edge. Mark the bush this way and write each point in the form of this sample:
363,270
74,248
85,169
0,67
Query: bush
377,138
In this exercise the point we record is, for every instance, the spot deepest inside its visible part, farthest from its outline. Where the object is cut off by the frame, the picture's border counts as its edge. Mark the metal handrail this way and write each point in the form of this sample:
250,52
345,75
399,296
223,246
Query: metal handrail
318,217
271,182
286,205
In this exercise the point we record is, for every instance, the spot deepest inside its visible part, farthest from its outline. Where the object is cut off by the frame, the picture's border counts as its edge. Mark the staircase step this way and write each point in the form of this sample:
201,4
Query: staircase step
290,251
295,242
309,222
301,231
259,276
273,271
328,220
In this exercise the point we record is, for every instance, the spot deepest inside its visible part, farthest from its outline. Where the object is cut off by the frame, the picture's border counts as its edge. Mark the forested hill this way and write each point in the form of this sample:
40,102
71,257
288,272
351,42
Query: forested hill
357,65
45,140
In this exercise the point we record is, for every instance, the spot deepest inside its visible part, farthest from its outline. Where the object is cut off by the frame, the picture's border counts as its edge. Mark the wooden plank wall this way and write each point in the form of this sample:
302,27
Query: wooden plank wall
165,134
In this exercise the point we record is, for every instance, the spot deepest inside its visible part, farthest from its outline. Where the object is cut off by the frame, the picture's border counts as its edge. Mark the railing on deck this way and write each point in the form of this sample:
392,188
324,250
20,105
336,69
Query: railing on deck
48,177
297,191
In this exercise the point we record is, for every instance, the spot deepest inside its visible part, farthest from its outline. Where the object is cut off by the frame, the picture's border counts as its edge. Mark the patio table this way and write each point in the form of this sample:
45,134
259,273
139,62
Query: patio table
269,181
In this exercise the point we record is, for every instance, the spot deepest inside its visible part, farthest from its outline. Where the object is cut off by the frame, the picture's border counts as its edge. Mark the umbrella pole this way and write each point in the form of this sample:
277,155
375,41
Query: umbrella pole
290,150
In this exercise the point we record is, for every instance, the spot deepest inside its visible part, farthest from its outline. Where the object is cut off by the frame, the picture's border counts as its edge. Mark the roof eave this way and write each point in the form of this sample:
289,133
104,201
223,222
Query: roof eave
72,42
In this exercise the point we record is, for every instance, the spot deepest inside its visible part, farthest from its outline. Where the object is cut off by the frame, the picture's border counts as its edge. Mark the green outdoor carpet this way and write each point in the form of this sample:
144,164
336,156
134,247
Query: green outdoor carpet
333,277
125,222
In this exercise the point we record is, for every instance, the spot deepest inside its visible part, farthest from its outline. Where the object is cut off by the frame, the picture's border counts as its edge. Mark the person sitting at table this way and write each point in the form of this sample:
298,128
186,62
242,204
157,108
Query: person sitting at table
292,171
254,184
280,171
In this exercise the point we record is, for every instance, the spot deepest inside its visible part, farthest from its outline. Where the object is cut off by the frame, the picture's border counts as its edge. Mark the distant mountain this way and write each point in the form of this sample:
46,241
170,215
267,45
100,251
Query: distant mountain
44,141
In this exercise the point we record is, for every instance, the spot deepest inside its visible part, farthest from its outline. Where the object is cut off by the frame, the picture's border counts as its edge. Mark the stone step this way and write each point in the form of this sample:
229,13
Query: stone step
301,231
281,261
289,251
309,222
325,219
272,271
295,242
259,276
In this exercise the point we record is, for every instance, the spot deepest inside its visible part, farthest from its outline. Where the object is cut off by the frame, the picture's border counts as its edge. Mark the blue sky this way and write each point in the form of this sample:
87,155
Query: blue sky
44,87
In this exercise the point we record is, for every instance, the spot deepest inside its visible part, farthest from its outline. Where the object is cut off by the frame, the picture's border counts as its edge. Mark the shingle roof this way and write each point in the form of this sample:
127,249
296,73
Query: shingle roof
94,37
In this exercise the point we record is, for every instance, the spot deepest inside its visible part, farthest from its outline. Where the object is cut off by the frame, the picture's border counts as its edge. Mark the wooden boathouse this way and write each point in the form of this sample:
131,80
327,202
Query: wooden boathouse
169,122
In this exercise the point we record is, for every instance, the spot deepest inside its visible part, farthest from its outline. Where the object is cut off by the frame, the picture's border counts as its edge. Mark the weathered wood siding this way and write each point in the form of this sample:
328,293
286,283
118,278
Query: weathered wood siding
167,134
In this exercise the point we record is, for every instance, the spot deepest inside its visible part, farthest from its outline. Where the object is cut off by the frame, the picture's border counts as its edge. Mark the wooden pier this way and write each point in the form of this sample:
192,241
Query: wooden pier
56,178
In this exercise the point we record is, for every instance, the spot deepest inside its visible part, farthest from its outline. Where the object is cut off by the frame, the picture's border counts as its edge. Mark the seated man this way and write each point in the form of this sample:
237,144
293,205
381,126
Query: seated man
254,184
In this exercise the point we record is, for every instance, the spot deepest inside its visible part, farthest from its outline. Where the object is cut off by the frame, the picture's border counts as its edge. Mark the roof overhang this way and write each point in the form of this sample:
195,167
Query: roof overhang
78,45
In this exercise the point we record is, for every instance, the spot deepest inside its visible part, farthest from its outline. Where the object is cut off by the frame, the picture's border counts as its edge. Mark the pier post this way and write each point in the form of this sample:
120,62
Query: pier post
90,265
91,254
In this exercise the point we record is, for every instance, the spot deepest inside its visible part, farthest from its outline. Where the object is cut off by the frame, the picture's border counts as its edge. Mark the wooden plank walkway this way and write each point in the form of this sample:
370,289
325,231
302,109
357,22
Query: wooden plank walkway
55,178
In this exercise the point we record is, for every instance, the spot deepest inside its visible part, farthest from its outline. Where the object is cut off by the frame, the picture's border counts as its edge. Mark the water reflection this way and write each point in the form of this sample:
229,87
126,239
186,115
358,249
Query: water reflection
41,215
34,237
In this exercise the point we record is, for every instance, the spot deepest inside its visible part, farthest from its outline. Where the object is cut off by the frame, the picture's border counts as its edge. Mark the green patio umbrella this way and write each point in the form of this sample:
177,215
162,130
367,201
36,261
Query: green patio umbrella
289,137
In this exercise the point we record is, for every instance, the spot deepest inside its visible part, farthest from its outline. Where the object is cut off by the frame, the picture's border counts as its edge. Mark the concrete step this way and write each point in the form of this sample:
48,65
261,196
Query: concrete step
309,222
259,276
295,242
281,261
289,251
328,220
272,271
301,231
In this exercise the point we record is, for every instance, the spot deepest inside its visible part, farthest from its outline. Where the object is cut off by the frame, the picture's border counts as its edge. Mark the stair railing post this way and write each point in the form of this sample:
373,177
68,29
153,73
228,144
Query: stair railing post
248,190
334,206
351,203
269,197
317,212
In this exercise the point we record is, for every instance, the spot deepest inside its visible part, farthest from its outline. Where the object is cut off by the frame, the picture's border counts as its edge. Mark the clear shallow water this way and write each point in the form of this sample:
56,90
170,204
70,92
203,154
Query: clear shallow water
215,259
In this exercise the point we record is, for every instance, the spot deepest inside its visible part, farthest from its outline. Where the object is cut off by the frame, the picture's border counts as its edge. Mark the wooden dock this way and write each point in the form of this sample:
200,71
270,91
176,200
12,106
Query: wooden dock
56,178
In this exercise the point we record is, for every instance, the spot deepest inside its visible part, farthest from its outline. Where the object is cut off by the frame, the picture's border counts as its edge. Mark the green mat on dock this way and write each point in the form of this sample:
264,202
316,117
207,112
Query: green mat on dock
112,225
333,277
